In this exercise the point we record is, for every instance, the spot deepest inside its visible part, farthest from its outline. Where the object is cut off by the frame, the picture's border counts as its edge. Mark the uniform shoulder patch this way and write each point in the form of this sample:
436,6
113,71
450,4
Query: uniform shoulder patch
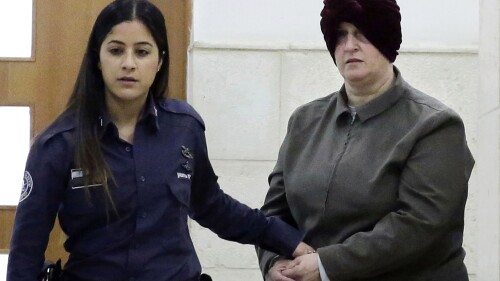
27,186
180,107
63,122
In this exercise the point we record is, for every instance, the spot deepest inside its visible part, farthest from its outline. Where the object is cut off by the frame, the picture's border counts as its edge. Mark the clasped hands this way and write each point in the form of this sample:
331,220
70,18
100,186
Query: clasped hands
303,268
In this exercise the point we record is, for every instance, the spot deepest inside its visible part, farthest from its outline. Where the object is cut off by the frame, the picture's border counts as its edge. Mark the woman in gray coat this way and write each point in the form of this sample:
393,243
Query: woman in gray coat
376,174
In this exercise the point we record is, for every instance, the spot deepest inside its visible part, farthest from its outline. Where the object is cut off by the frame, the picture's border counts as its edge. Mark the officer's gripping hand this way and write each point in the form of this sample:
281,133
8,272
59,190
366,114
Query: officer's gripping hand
302,249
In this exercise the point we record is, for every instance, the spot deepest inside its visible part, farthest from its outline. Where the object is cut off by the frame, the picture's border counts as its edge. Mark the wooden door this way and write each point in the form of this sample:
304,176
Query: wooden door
62,28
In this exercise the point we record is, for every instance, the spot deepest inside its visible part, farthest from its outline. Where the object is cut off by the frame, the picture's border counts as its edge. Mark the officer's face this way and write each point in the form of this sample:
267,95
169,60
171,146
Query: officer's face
129,61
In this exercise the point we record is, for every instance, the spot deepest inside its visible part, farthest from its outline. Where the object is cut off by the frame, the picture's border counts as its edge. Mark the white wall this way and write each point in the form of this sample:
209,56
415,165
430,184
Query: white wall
425,23
253,62
488,163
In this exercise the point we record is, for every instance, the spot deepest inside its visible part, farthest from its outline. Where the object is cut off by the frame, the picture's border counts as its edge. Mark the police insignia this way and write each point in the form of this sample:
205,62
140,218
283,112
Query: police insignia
27,186
186,152
186,166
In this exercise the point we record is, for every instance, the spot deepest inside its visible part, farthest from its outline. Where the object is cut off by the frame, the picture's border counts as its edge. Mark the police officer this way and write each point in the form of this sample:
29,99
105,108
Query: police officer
123,168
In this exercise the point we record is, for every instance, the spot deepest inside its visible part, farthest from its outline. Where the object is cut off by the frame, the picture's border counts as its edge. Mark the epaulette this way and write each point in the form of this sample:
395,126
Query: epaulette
63,123
180,107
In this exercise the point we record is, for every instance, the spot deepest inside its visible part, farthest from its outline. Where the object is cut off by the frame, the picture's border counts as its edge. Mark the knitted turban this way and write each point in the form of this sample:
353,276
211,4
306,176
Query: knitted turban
379,20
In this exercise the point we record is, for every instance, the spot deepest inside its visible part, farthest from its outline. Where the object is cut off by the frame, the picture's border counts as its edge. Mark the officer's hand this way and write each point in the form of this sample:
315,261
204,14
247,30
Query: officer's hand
302,249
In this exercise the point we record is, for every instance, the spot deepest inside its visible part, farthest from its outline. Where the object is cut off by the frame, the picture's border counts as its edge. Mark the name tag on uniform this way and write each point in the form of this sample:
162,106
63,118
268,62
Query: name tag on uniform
76,173
183,176
78,179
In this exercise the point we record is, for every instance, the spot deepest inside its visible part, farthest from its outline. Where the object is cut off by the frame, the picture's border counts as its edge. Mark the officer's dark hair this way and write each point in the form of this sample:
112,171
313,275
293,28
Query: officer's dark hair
88,101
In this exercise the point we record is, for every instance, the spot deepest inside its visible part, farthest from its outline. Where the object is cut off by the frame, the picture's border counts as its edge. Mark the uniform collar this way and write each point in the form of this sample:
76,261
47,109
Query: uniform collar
376,106
149,116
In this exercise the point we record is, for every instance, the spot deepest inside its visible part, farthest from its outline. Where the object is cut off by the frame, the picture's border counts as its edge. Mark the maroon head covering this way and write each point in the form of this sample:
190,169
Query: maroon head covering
379,20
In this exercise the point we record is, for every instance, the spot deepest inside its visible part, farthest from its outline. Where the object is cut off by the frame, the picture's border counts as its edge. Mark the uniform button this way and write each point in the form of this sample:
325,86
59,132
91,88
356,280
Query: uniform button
127,149
143,179
144,215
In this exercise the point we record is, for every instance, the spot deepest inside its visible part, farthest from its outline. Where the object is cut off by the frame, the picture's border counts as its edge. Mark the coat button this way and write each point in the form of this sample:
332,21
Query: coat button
143,179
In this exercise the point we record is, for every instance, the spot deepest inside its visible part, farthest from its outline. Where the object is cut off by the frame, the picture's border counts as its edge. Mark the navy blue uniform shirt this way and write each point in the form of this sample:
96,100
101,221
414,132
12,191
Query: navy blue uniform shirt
160,180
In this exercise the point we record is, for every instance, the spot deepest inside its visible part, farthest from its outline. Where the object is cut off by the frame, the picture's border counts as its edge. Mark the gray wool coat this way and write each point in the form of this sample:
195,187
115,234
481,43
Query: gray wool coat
380,192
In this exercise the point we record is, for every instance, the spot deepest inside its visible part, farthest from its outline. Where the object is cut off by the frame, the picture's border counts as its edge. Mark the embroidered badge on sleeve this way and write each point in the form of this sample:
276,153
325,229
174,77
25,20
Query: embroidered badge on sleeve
27,186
